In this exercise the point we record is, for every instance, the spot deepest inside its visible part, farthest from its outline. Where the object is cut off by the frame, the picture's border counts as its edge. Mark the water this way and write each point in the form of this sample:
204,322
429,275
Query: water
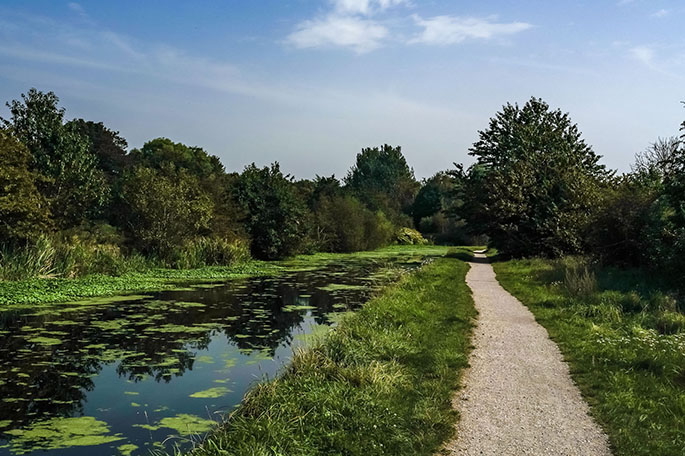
125,375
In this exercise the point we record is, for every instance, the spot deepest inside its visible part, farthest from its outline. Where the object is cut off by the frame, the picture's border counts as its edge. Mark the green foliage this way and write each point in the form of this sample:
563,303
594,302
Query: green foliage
433,197
75,185
344,224
24,213
381,179
409,236
211,251
163,212
534,184
274,213
106,145
164,154
381,383
624,342
623,224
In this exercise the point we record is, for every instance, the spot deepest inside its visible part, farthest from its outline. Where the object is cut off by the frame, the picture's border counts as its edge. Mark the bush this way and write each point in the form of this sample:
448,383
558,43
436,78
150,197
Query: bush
209,251
409,236
344,224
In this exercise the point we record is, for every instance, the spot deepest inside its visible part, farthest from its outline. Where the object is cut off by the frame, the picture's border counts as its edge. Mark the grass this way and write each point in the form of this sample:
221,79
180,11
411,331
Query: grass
49,290
624,339
381,383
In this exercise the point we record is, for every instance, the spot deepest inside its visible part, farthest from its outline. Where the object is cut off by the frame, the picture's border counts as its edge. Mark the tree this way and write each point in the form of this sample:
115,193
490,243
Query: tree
383,181
274,214
164,154
347,226
534,183
75,186
107,145
162,212
433,196
24,213
658,157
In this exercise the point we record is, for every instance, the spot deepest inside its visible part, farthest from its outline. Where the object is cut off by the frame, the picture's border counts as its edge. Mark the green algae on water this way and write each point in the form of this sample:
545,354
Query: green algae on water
47,341
217,391
58,433
127,449
184,424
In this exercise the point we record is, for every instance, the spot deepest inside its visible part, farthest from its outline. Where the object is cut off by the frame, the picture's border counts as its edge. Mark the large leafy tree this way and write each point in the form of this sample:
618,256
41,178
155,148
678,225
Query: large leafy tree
171,158
163,154
161,212
382,179
535,181
75,185
24,213
274,213
107,145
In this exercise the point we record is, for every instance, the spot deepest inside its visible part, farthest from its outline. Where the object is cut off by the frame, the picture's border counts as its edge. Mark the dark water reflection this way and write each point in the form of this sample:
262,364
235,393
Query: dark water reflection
118,376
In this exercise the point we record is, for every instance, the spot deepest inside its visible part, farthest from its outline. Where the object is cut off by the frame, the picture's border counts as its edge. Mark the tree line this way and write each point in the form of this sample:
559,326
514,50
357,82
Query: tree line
73,195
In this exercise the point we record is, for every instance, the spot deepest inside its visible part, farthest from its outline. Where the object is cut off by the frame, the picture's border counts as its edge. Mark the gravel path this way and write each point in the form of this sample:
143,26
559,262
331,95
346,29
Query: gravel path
518,396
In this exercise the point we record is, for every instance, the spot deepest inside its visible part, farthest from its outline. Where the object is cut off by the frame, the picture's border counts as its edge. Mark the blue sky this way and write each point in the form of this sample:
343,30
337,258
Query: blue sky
309,83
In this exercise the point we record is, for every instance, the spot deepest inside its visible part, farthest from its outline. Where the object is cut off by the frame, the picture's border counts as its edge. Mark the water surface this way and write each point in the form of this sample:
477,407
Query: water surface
126,375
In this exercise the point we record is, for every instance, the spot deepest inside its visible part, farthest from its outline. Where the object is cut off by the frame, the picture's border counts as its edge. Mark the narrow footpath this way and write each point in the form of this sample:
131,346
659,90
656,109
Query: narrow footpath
518,396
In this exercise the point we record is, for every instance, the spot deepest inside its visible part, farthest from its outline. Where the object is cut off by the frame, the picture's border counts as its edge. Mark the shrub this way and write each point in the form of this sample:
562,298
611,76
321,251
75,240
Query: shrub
210,251
344,224
409,236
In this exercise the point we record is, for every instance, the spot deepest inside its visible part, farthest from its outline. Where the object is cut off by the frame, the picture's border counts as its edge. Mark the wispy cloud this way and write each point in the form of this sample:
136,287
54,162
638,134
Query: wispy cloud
643,54
360,35
661,13
364,7
443,30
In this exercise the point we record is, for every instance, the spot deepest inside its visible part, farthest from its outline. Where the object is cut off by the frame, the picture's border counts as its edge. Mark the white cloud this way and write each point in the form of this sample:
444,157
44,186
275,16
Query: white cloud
452,29
643,54
364,7
361,35
661,13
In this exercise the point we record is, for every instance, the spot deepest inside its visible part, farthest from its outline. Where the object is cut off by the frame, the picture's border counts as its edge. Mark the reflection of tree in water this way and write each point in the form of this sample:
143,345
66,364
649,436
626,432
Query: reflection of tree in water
156,338
41,380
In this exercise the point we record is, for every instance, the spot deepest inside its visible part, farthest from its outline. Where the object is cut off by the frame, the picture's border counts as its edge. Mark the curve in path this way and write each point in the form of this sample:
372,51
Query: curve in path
518,396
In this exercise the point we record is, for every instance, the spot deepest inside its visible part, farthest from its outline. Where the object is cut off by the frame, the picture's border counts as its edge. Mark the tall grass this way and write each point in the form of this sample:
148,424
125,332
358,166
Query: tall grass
623,335
381,383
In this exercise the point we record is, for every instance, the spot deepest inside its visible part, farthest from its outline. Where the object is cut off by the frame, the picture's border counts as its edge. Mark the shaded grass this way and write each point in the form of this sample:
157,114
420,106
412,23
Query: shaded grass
624,339
381,383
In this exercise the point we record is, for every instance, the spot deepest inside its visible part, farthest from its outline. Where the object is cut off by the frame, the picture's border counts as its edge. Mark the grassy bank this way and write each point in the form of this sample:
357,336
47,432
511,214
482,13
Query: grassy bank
48,290
624,340
379,384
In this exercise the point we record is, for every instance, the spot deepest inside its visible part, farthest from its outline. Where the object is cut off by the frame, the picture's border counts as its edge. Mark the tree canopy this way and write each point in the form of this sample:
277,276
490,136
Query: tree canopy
24,214
274,214
75,185
382,179
534,183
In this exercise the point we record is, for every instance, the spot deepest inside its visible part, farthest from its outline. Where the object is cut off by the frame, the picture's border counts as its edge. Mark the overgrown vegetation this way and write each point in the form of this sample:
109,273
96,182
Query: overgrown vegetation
624,338
381,383
74,201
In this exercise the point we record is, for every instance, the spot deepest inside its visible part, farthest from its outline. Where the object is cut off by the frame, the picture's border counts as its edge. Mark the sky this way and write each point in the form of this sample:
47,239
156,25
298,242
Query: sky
309,83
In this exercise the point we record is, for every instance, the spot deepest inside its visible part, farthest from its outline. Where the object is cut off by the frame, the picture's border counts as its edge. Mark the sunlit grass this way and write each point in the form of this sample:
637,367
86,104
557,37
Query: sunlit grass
624,339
